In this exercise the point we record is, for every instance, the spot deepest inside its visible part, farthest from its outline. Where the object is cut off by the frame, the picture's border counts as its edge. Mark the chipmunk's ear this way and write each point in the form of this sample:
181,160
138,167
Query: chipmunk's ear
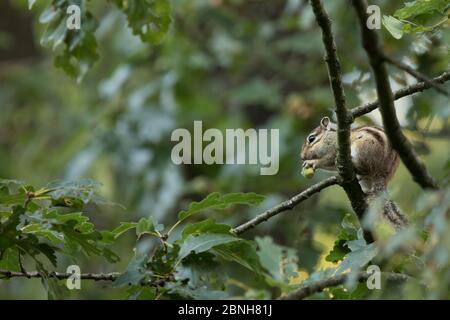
325,122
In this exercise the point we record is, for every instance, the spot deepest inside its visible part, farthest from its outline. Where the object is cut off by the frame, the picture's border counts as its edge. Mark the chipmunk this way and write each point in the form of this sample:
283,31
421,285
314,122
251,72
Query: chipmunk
374,159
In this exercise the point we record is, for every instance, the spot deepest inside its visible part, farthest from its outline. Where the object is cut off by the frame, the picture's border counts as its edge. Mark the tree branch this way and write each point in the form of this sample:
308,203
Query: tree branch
320,285
372,45
344,161
286,205
415,74
406,91
84,276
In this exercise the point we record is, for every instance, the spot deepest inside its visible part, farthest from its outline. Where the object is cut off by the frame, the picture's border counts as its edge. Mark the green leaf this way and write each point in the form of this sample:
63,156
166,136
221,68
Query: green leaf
202,243
13,186
9,260
48,251
122,228
31,246
107,237
280,261
79,47
355,260
205,226
8,229
421,7
359,257
7,199
90,243
146,226
164,259
200,269
358,293
349,231
350,226
13,192
216,201
56,32
85,190
338,252
134,273
270,255
50,14
38,230
80,222
238,250
394,26
141,293
149,19
242,252
55,291
409,28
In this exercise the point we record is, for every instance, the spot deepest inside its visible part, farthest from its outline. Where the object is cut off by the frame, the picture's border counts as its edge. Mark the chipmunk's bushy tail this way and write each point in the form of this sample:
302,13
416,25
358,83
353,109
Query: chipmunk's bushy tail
390,210
394,215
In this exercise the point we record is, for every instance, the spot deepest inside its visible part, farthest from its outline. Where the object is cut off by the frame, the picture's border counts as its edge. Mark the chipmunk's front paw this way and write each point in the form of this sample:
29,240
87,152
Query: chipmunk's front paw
310,164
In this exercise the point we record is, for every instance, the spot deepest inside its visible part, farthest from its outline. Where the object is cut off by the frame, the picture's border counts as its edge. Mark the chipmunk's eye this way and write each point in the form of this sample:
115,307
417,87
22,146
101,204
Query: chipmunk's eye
311,138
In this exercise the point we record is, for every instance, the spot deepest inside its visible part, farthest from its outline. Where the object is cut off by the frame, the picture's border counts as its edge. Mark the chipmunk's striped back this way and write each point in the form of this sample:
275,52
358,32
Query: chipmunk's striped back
372,153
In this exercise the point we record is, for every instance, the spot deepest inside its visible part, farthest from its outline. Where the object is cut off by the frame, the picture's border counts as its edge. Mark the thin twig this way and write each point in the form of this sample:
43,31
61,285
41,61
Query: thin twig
344,160
443,133
416,74
286,205
334,281
372,45
58,275
401,93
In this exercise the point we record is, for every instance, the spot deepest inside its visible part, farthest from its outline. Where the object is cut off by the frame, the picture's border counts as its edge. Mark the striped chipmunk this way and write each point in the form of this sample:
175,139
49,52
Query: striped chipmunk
374,160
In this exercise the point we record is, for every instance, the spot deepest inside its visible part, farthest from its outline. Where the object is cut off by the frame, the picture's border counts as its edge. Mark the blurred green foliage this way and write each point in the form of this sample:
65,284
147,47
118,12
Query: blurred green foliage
231,64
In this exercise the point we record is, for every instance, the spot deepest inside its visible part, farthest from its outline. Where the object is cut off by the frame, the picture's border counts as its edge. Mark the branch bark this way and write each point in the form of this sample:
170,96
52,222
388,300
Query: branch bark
286,205
415,74
344,161
372,45
404,92
320,285
34,274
